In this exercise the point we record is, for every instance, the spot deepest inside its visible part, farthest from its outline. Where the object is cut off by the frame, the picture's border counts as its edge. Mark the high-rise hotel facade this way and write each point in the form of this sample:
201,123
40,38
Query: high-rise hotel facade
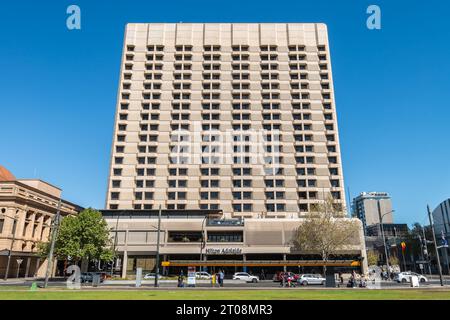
236,118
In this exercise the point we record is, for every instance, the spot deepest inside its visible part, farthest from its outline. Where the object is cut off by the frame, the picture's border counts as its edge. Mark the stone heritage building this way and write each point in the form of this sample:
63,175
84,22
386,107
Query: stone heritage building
228,121
27,207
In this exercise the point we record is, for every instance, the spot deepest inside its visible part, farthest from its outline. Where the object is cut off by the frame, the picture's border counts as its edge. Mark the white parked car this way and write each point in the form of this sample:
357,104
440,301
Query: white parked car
307,279
245,277
151,276
203,275
404,277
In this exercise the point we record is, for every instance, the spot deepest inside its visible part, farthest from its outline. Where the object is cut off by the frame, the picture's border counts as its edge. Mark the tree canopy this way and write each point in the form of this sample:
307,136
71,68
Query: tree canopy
83,236
324,230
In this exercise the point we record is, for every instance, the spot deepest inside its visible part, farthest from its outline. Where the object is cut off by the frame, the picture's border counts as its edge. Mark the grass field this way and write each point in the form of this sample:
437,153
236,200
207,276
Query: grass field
429,294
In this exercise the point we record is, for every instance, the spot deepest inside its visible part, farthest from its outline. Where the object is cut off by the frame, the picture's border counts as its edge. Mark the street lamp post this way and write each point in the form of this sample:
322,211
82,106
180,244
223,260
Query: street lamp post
157,247
203,243
19,262
382,233
115,244
11,247
430,216
52,245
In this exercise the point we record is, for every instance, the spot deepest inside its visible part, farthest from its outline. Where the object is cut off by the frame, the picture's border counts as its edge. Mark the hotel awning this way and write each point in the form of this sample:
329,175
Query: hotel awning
261,263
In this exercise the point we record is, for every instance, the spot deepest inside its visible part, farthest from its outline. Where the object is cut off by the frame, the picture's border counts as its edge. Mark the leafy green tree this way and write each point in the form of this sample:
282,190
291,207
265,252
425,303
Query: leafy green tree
82,237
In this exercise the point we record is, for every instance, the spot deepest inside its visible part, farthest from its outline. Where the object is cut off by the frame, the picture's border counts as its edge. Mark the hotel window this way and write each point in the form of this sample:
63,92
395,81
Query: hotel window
336,194
303,207
301,183
335,183
116,183
312,183
2,222
185,236
216,236
115,195
120,149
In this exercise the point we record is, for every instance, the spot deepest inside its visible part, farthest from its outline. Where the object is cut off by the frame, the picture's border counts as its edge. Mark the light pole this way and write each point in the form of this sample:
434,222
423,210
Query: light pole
115,244
19,262
157,247
52,244
381,216
12,245
430,216
203,241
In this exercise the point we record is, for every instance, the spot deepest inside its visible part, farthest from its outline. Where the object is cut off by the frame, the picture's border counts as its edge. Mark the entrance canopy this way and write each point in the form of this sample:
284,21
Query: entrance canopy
261,263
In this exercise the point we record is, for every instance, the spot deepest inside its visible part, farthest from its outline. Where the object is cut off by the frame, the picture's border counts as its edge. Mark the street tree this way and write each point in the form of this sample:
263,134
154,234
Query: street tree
82,237
325,231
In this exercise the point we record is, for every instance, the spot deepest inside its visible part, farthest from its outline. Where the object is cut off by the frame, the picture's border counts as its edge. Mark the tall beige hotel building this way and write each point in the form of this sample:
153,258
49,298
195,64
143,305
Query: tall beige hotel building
235,119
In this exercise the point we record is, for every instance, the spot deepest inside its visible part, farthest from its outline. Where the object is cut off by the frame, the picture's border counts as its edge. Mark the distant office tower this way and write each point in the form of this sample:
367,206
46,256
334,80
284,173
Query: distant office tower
365,208
238,117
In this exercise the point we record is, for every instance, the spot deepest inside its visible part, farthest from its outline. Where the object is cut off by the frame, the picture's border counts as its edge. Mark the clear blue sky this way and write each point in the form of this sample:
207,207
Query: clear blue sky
392,89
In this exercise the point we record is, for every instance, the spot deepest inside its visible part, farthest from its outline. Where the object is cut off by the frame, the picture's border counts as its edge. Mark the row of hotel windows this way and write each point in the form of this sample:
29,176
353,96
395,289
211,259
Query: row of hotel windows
216,106
213,236
241,207
217,48
117,172
216,86
234,57
236,159
217,67
247,183
291,47
238,207
234,96
235,76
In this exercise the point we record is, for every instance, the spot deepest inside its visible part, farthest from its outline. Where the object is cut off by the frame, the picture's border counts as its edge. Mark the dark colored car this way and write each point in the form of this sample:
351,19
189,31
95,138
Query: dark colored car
278,277
89,276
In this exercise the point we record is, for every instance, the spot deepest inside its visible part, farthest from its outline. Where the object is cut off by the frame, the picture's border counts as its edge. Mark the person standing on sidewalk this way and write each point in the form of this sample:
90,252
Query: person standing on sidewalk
221,276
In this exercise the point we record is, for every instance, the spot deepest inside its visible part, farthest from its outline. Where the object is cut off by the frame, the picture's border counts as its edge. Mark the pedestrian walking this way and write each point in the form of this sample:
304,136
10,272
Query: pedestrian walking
218,278
180,280
221,276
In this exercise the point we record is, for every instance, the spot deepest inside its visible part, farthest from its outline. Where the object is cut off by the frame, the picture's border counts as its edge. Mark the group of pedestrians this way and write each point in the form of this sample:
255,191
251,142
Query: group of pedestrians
353,280
217,278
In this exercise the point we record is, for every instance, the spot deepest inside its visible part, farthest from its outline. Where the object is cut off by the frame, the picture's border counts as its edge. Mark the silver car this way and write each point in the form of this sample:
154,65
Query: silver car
245,277
307,279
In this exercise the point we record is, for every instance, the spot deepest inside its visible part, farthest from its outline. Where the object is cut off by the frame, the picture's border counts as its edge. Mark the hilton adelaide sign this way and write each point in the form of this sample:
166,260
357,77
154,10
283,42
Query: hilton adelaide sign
224,251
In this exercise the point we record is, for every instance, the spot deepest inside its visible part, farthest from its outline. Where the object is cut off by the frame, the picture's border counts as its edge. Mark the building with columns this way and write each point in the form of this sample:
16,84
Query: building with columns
27,207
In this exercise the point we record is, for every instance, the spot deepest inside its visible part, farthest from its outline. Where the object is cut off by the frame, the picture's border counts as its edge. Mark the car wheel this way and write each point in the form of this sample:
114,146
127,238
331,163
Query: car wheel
322,283
422,280
254,280
403,280
304,283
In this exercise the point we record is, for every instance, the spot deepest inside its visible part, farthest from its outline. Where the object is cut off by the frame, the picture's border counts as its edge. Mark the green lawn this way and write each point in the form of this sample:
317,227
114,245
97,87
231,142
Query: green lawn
225,294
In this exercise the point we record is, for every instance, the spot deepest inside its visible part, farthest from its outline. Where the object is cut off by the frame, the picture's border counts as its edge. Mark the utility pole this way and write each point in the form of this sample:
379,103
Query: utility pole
115,245
203,244
52,244
430,216
384,240
157,247
12,245
444,251
425,250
